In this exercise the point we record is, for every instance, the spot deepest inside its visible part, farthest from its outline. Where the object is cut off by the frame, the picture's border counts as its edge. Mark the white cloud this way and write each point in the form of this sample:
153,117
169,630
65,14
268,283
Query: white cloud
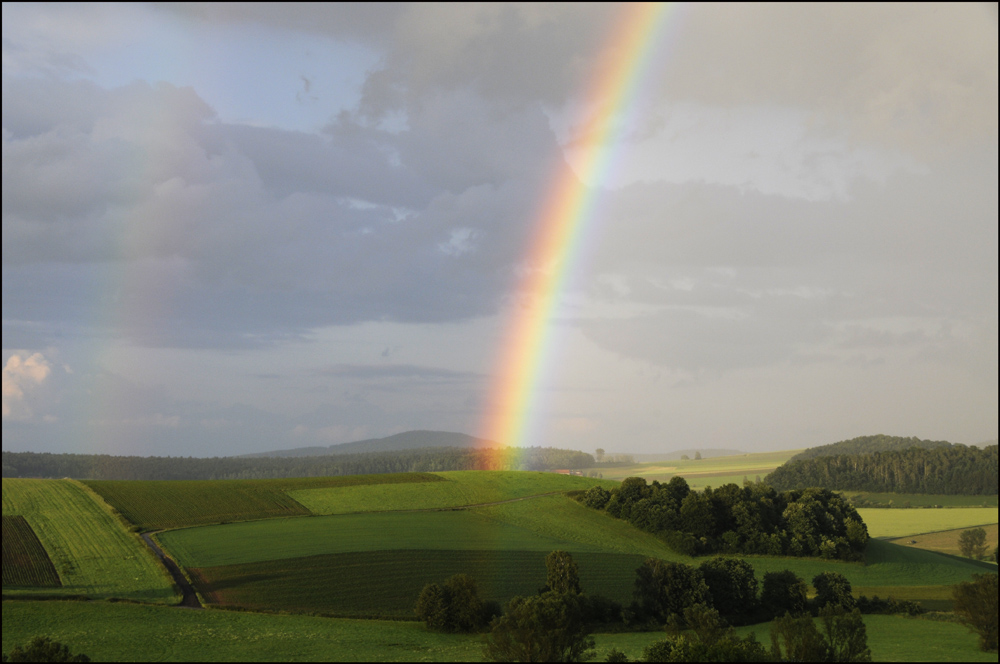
23,375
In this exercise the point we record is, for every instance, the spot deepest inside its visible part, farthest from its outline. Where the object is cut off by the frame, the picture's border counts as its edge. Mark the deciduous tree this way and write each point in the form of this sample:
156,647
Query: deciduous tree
976,606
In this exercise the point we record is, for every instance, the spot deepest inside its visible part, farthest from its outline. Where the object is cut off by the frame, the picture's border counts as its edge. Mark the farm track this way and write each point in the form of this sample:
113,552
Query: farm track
190,597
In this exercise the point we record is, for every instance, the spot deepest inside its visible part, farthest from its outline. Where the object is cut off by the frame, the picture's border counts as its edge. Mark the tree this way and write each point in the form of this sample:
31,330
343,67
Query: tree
783,592
665,589
972,543
796,639
543,628
846,636
562,575
454,607
43,649
833,589
697,456
732,585
976,607
599,455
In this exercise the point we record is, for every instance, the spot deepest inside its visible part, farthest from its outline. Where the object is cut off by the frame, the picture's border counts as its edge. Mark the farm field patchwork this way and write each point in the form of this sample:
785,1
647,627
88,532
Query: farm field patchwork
707,470
905,500
460,488
92,551
947,541
25,562
157,504
385,584
893,523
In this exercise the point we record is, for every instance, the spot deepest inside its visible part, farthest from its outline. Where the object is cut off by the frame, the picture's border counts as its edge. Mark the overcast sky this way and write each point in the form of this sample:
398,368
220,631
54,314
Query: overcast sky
242,227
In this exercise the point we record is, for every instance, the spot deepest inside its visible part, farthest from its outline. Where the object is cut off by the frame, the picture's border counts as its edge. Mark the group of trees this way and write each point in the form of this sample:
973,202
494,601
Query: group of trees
43,649
952,470
869,445
972,543
431,459
754,519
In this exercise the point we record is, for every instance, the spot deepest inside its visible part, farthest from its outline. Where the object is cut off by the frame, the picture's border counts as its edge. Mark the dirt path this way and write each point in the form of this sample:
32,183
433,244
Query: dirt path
190,598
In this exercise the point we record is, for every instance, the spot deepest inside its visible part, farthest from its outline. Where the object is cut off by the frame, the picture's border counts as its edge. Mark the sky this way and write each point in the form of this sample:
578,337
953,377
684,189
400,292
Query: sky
247,227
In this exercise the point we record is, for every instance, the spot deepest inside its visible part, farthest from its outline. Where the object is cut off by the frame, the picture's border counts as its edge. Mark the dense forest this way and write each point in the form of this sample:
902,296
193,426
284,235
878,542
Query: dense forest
869,445
754,519
952,470
105,467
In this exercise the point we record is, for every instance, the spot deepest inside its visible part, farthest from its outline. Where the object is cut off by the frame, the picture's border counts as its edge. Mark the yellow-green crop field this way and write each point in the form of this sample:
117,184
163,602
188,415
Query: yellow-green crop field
93,552
704,472
947,541
893,523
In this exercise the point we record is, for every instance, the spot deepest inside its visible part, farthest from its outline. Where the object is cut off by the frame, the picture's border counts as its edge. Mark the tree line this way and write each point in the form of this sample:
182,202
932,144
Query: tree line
754,519
953,470
869,445
107,467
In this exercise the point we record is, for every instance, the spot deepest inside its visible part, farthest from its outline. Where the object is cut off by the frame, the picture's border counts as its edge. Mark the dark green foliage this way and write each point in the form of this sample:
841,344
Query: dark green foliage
712,641
43,649
732,585
453,607
843,639
976,607
562,575
869,445
783,592
833,589
430,459
972,543
889,606
665,589
953,470
25,562
541,628
596,497
752,519
616,655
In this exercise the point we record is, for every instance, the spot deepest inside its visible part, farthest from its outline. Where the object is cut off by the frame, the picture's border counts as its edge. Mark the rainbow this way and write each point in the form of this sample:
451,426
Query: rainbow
563,222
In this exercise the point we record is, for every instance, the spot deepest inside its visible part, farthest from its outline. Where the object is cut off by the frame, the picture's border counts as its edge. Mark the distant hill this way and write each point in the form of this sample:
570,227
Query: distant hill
408,440
706,453
868,445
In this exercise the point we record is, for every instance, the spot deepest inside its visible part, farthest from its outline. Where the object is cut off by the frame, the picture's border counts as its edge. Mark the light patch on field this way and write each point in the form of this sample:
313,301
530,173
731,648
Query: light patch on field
891,523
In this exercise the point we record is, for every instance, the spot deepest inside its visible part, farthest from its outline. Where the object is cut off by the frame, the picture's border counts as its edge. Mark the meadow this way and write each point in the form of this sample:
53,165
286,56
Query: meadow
947,541
700,473
159,504
107,631
899,523
92,551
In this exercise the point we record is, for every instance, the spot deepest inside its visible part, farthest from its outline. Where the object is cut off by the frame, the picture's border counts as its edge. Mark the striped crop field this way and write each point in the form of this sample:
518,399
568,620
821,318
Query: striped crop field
459,488
25,562
92,551
158,504
385,584
895,523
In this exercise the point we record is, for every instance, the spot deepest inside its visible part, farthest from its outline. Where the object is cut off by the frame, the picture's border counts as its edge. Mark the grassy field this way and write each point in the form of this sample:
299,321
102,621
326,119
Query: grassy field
459,488
157,504
385,584
25,562
905,500
947,541
899,523
92,551
149,633
703,472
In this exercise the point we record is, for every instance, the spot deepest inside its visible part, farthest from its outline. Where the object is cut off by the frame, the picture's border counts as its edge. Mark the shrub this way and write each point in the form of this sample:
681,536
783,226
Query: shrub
453,607
43,649
542,628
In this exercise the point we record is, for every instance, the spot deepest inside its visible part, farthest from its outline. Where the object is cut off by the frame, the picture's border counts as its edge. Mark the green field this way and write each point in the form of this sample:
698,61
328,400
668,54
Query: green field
899,523
158,504
460,488
704,472
150,633
906,500
25,562
92,551
947,541
385,584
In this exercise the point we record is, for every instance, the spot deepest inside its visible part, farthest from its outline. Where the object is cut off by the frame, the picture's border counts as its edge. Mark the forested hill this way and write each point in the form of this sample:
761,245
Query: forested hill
408,440
105,467
869,445
953,470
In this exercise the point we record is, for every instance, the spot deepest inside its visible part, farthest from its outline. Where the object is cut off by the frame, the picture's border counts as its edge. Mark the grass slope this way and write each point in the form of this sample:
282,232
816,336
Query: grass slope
947,541
25,562
92,551
460,488
342,584
899,523
150,633
157,504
